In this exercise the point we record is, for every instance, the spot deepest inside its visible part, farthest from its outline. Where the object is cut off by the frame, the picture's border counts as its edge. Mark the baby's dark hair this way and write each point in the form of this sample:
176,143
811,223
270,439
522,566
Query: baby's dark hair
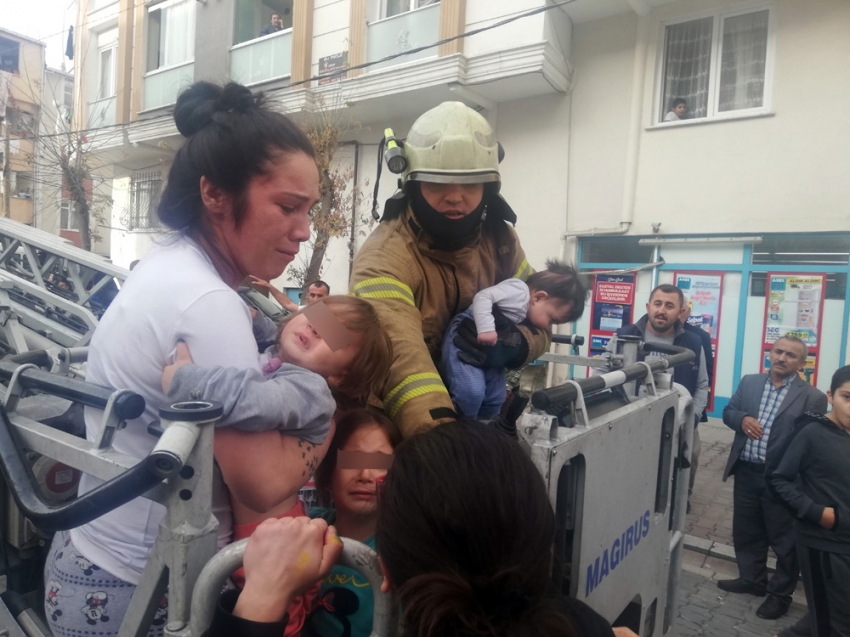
839,378
677,101
561,281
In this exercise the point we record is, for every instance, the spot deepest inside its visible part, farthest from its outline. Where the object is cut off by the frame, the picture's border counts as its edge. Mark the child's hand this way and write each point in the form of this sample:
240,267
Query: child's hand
827,518
284,557
181,357
488,338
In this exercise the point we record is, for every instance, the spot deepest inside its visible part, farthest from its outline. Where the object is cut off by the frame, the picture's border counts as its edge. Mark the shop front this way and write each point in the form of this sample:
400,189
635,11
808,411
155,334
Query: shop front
745,291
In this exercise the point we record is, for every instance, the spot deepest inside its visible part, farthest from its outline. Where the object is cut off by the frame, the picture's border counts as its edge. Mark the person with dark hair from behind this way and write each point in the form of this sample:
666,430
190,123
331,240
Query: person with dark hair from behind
812,480
237,201
347,484
550,297
677,111
464,553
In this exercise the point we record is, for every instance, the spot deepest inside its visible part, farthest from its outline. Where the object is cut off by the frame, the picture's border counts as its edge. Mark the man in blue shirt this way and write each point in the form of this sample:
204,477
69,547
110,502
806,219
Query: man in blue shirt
762,414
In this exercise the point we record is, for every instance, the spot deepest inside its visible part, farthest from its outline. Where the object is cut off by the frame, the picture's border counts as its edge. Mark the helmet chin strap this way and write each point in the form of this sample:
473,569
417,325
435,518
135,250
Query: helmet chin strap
447,234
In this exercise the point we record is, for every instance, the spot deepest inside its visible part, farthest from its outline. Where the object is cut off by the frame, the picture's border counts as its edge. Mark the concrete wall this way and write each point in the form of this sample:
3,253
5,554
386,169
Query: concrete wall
745,175
213,39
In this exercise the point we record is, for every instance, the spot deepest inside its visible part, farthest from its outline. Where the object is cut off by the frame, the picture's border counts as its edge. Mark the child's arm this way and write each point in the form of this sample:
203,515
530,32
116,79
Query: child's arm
265,329
510,296
292,400
783,481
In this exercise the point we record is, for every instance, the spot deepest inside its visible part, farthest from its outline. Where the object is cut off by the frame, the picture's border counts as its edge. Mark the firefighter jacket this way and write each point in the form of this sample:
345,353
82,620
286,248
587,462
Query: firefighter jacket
416,290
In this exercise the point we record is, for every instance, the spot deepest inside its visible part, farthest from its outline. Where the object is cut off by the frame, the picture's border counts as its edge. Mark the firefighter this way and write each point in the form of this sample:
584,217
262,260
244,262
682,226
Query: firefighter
443,237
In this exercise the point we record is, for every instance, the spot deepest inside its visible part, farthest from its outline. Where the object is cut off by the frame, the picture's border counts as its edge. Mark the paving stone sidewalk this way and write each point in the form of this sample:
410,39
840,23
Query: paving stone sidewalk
706,610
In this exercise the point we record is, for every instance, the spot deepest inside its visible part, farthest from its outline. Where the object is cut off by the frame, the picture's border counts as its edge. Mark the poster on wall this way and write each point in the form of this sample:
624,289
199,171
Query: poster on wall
611,308
704,293
794,306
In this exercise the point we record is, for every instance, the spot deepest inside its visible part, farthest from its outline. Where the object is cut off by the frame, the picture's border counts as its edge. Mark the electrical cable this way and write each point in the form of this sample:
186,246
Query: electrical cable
394,56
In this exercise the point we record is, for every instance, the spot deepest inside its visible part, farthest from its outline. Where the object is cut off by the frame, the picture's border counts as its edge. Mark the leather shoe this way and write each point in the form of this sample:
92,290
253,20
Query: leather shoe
741,586
772,608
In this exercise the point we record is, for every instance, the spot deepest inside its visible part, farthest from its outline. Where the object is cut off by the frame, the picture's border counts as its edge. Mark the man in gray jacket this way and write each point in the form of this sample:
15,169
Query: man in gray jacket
762,414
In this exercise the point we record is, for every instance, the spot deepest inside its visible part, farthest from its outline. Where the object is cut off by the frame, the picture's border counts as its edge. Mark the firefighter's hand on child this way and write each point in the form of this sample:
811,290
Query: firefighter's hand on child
284,558
488,338
181,357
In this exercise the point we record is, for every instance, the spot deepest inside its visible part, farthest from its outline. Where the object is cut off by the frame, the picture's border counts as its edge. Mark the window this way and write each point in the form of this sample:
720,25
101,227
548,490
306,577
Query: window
9,55
171,34
719,65
396,7
106,73
21,123
145,189
68,99
614,250
812,250
67,217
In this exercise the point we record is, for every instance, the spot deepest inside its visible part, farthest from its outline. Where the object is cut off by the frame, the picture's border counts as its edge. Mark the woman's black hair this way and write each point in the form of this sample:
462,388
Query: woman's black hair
841,376
465,533
231,138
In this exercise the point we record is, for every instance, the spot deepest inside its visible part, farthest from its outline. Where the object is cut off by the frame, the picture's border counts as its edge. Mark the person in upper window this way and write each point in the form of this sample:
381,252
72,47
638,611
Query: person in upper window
274,26
677,110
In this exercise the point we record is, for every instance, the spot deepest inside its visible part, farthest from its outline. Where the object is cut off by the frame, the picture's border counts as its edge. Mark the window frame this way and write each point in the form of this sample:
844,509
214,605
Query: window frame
148,185
712,113
113,83
161,6
410,3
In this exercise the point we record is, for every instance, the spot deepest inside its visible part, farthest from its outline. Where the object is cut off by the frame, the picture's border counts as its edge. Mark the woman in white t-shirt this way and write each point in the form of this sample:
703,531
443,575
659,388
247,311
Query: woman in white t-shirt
237,199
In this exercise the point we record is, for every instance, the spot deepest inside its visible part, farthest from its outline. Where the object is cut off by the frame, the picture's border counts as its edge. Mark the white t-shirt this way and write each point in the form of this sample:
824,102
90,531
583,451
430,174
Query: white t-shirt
174,293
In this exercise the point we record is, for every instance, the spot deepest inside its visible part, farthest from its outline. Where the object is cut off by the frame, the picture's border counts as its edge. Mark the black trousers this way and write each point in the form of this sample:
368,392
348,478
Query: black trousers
826,577
759,522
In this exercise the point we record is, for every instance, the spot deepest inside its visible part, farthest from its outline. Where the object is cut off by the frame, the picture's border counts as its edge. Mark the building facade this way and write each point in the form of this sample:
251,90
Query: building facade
21,78
747,182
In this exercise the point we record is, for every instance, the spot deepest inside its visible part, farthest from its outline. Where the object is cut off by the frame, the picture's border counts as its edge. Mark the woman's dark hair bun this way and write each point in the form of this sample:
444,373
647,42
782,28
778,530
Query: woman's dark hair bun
197,105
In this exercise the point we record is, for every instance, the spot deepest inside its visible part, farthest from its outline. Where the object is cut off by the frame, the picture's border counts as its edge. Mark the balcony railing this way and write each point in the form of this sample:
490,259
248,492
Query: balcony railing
401,33
262,59
101,113
163,85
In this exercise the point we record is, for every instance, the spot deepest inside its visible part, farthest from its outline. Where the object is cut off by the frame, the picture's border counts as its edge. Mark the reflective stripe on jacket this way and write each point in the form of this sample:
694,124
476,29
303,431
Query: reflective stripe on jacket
416,291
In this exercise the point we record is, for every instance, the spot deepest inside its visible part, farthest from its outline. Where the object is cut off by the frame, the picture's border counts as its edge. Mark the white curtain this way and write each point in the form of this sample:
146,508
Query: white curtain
178,33
687,65
743,61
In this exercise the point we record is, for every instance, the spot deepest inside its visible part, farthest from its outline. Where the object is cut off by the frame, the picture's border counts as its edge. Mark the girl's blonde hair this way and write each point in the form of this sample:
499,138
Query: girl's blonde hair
369,368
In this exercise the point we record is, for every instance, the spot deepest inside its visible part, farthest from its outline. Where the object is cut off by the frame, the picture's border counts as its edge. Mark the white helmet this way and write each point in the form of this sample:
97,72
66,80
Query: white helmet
452,144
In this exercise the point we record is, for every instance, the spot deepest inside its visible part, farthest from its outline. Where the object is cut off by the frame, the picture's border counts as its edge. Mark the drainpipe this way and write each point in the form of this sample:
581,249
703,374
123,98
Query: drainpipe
627,212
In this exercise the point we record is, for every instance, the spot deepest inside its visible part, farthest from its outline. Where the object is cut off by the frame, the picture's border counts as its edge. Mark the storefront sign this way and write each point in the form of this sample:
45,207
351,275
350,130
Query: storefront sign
704,292
611,309
794,307
332,64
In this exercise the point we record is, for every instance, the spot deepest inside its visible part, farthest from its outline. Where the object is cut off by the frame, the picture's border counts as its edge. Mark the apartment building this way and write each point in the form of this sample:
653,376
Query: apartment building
21,76
742,197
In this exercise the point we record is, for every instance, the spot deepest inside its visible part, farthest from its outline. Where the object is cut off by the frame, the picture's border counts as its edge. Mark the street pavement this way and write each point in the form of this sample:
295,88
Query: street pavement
703,608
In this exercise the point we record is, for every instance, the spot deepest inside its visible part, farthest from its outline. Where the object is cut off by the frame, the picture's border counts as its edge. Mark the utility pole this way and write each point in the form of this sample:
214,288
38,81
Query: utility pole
7,171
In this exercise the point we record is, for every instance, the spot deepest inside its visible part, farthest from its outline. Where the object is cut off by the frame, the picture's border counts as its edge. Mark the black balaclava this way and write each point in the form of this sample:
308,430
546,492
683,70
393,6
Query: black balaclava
448,234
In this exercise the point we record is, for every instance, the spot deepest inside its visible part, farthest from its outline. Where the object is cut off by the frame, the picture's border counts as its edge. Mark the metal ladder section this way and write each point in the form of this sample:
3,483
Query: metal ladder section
51,292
